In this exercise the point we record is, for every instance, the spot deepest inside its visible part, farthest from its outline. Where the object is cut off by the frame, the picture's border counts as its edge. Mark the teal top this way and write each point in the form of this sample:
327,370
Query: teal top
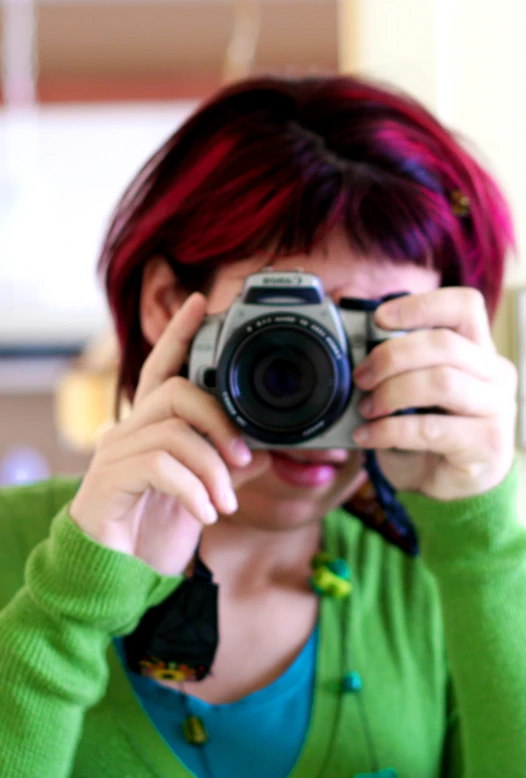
246,737
439,641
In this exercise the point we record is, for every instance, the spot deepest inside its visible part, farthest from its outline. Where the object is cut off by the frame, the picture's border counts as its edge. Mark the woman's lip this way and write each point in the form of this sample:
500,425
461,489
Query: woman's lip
303,474
336,456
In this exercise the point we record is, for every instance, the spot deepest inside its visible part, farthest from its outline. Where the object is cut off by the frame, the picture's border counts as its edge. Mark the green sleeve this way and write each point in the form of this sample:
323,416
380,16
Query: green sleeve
53,638
476,549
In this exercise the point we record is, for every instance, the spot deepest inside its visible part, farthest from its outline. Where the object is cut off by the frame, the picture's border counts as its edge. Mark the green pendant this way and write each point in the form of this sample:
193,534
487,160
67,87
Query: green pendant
194,731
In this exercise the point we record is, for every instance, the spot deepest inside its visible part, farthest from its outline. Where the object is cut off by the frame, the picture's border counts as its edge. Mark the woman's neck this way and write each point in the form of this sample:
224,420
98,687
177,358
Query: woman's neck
252,557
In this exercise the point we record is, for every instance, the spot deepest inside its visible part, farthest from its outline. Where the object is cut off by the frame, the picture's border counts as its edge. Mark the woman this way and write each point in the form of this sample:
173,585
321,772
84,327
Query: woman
417,672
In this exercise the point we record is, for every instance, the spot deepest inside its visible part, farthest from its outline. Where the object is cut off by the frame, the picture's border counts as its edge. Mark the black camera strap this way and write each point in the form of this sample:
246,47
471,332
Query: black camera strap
375,504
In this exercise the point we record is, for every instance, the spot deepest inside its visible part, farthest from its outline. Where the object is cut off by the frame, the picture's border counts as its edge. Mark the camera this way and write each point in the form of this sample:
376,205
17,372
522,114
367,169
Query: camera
281,360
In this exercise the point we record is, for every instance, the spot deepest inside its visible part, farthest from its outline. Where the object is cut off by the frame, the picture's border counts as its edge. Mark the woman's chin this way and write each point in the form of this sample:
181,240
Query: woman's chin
291,493
277,514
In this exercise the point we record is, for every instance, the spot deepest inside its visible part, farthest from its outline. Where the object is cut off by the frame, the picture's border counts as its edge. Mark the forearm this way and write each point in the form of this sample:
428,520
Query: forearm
53,640
49,676
477,551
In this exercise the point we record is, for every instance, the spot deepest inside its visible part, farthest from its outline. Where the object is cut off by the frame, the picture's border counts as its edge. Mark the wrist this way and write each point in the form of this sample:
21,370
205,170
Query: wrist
72,576
454,534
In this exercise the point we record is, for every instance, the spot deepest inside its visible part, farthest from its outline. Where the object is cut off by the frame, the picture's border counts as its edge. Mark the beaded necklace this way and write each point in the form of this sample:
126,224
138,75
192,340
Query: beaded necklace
330,578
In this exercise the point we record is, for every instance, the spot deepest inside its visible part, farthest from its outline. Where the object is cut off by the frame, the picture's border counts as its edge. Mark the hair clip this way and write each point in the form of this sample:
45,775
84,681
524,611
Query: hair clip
460,203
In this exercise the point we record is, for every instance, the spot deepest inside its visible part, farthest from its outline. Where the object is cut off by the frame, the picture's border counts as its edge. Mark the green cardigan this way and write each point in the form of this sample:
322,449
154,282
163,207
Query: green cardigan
440,643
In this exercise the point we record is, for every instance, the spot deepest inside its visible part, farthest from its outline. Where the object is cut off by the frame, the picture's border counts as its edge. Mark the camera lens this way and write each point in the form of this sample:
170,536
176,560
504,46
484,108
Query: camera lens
283,381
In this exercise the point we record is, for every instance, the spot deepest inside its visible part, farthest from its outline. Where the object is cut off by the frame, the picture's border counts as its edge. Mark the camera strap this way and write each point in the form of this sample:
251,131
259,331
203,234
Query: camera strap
375,504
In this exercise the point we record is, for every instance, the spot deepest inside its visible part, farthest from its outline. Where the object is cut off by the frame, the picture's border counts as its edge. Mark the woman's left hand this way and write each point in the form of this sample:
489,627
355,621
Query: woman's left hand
450,362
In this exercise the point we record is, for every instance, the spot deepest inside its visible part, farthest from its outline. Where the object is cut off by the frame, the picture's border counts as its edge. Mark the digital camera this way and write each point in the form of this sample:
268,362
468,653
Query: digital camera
281,360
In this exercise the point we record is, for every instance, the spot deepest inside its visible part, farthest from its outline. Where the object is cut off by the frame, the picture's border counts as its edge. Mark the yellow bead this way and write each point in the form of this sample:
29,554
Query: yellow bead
194,731
324,582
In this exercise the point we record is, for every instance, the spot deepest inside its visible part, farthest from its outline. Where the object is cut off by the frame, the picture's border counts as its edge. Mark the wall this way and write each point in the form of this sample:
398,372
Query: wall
63,173
172,48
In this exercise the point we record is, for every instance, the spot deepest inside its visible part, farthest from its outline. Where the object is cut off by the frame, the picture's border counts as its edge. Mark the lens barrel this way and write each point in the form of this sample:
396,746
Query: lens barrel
284,378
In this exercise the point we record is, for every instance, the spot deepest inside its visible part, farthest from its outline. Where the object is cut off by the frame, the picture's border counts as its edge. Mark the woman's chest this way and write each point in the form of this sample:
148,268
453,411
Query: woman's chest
260,637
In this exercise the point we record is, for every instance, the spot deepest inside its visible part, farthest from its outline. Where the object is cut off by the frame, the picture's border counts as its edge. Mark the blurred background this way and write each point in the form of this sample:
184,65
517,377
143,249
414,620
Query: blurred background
89,88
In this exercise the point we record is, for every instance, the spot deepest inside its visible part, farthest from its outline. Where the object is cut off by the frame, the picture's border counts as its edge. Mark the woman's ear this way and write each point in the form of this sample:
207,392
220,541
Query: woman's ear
161,298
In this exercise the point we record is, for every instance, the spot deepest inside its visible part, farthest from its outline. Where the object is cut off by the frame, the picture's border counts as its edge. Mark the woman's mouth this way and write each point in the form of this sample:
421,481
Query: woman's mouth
307,469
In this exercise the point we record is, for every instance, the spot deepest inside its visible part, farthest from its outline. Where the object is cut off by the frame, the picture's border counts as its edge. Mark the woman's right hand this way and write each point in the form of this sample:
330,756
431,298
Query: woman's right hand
155,480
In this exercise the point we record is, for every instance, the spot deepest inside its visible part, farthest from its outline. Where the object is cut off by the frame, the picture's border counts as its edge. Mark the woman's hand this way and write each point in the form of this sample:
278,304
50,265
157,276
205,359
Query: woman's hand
166,471
452,363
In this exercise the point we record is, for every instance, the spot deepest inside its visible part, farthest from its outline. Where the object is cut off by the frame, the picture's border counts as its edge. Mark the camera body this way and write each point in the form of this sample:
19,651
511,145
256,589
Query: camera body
281,361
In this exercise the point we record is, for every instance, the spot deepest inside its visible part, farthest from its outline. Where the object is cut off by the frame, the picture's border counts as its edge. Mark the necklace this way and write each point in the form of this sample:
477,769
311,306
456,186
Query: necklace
195,733
330,578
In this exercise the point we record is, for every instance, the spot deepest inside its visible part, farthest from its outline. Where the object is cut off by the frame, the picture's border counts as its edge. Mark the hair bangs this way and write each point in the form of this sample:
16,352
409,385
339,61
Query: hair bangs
398,221
272,206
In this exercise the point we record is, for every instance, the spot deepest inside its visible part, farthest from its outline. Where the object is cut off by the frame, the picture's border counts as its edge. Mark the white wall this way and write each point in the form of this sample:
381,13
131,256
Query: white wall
489,97
396,43
62,170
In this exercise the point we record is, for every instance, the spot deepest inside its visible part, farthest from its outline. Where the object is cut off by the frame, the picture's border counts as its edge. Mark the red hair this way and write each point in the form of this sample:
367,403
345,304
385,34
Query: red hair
276,163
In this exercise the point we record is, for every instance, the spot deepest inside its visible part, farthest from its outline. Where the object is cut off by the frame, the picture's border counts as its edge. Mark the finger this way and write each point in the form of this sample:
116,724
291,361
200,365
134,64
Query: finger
178,398
187,447
162,541
423,349
169,353
462,309
446,387
446,435
158,470
261,461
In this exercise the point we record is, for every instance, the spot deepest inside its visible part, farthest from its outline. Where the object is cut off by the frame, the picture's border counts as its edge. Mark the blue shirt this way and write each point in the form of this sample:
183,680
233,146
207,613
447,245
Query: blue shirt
259,736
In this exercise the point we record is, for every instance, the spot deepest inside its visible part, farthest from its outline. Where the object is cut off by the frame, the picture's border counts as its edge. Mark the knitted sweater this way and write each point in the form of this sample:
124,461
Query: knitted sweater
440,643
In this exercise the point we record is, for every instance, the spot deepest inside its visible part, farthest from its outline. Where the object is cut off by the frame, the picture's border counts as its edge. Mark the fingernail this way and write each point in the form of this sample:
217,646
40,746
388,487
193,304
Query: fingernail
209,513
229,500
241,451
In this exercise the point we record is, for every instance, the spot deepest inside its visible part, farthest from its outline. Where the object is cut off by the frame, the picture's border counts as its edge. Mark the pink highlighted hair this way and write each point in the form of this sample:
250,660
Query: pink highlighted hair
276,163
